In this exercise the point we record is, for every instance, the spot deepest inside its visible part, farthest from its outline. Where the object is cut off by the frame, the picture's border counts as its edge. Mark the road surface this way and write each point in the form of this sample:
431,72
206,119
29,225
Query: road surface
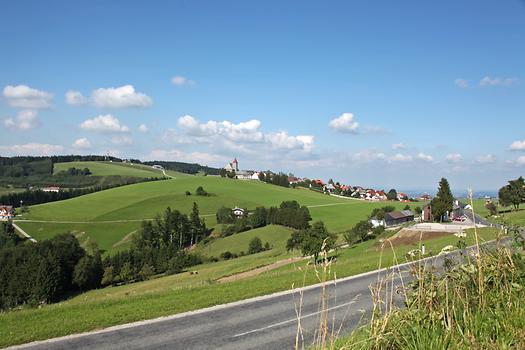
269,322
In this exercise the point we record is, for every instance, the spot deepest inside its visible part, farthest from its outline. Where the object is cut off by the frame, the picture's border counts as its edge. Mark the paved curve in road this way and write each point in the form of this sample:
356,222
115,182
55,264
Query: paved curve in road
268,322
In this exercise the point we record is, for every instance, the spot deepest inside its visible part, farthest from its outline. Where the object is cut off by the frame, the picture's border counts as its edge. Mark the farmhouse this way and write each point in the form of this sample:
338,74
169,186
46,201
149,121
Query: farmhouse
55,189
238,212
398,217
6,212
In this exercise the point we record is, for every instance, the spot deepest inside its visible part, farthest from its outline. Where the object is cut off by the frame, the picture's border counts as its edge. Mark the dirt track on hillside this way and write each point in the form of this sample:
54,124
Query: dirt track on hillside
408,237
258,271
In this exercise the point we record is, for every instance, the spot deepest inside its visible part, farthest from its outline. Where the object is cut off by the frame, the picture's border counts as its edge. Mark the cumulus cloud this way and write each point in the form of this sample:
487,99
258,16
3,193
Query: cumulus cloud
454,158
367,156
81,143
24,120
120,97
23,96
179,80
497,81
486,159
75,98
399,157
143,128
190,157
32,149
245,138
520,161
104,123
461,83
518,146
424,157
345,123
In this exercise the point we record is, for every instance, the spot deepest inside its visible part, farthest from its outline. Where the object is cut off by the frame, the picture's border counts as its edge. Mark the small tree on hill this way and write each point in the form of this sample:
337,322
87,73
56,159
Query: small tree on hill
255,246
310,241
513,193
392,195
443,201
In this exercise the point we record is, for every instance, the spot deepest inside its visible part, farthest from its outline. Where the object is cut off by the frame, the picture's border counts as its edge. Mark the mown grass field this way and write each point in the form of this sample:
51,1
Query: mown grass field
506,214
275,235
110,168
110,215
183,292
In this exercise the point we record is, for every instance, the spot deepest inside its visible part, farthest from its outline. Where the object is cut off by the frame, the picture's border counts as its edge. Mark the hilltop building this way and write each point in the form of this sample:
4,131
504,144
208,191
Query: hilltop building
233,166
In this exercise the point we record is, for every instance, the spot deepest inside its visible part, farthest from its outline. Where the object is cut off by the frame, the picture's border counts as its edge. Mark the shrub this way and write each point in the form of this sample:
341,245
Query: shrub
255,246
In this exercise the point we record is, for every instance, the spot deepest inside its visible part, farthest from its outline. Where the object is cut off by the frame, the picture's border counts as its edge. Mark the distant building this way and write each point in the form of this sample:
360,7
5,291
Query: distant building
244,175
55,189
238,212
398,217
156,166
233,166
426,214
6,212
375,222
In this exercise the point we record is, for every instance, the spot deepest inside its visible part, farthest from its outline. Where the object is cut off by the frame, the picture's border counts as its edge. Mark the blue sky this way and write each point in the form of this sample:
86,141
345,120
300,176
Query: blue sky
376,93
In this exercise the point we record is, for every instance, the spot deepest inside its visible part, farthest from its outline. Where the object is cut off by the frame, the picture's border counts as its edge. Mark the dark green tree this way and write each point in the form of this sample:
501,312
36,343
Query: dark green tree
392,195
513,193
255,246
442,203
312,240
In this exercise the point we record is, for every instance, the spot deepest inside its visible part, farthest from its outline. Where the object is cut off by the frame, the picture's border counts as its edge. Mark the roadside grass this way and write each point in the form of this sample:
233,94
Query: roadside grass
184,292
147,200
478,304
506,214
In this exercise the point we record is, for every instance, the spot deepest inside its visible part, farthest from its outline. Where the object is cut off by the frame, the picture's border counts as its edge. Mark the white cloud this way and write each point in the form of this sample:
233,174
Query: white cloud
454,157
181,81
344,123
243,131
397,146
486,159
32,149
143,128
203,158
75,98
22,96
82,143
281,140
104,123
518,146
424,157
399,157
461,83
121,97
496,81
520,161
25,120
122,140
367,156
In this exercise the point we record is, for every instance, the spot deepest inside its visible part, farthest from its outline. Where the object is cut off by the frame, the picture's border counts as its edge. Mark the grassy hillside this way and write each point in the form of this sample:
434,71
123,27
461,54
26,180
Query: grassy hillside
105,307
96,213
109,168
275,235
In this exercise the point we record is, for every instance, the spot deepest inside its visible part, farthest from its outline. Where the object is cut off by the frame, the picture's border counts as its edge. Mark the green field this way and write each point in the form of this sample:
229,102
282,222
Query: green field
275,235
4,190
105,307
110,215
110,168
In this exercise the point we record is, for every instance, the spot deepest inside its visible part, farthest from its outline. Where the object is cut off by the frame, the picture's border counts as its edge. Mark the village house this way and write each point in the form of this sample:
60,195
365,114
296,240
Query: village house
402,197
6,212
55,189
426,214
398,217
238,212
329,188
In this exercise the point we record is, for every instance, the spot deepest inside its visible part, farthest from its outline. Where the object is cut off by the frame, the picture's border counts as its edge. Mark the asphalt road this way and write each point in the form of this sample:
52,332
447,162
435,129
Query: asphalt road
269,322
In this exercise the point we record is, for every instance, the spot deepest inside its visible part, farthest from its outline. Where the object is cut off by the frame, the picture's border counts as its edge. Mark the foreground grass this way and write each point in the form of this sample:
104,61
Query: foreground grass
479,304
184,292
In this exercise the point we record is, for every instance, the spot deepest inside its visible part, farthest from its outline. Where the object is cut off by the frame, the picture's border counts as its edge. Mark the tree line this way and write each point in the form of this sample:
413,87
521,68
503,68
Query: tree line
289,214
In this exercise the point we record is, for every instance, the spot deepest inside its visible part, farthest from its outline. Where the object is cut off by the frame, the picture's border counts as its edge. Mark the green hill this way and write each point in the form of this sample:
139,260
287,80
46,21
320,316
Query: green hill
275,235
110,168
108,216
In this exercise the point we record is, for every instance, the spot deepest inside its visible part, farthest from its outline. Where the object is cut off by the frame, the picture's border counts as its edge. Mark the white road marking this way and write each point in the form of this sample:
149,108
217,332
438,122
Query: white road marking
293,319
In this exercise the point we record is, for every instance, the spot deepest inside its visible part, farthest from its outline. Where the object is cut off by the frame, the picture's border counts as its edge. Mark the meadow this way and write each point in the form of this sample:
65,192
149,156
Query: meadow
108,216
109,168
190,291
